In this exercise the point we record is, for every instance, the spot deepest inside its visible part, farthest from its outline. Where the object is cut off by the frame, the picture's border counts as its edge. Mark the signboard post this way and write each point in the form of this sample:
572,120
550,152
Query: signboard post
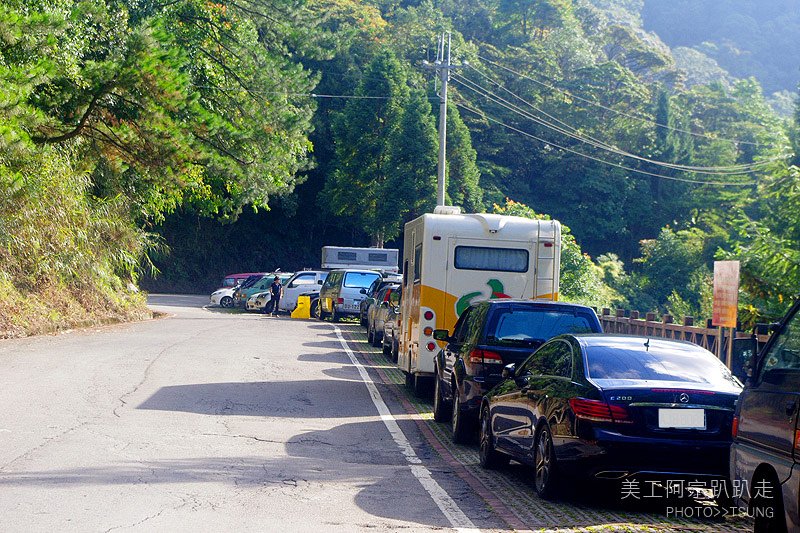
726,302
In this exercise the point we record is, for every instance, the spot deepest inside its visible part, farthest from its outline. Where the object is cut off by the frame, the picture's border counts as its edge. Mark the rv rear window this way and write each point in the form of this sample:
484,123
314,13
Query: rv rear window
346,256
382,258
495,259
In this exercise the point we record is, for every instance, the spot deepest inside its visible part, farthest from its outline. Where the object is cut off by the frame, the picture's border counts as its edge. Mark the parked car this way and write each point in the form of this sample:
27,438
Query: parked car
378,312
258,301
261,284
391,327
341,293
371,291
487,336
613,407
223,297
764,460
305,283
231,280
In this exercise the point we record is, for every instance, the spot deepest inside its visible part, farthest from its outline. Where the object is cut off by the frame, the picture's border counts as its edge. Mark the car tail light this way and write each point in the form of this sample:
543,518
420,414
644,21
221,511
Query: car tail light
428,331
735,430
430,346
340,301
386,296
797,439
428,315
599,411
485,356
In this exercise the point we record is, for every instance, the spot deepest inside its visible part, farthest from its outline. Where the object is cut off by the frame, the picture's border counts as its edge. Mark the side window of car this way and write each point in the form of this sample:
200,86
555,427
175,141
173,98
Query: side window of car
460,329
785,351
475,325
552,359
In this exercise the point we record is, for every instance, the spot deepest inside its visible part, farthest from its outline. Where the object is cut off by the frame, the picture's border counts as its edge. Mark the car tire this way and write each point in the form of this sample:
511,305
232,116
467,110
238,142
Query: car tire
421,388
314,310
544,464
489,457
409,380
335,316
767,506
226,302
362,319
386,348
321,315
395,351
376,338
370,336
459,423
441,411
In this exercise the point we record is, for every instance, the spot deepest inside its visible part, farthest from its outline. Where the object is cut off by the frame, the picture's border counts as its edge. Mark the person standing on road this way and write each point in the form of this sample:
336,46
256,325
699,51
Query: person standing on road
275,290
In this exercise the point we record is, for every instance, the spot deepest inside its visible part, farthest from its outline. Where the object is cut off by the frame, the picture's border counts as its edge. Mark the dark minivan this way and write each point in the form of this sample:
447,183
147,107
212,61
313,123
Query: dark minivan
487,336
765,455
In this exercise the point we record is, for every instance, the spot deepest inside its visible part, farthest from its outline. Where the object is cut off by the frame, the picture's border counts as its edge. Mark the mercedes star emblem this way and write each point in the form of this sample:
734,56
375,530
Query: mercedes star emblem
684,398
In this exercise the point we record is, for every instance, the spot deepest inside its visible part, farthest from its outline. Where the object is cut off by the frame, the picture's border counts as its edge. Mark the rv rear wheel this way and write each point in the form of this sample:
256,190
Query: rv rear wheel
335,317
409,380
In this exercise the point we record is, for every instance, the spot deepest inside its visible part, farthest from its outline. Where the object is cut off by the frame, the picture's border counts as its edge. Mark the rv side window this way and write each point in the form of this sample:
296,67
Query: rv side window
405,273
417,262
496,259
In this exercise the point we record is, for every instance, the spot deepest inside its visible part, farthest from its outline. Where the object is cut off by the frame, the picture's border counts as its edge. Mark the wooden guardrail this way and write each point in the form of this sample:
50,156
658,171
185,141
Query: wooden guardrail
630,323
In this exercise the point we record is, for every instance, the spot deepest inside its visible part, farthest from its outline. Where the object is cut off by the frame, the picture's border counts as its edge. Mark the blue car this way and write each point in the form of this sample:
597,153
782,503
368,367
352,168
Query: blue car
614,407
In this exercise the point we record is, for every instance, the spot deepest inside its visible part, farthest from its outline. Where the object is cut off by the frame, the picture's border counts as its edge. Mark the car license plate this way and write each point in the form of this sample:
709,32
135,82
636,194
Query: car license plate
682,418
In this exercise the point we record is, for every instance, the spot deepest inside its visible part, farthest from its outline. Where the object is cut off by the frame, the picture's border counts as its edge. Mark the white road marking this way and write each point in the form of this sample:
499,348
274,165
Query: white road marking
446,504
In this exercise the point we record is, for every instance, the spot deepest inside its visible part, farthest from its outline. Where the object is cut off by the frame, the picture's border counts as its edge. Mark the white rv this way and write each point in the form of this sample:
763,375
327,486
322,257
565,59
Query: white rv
451,260
384,259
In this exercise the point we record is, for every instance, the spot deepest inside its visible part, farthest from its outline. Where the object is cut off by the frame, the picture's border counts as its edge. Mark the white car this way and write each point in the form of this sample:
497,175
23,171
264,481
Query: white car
223,297
258,301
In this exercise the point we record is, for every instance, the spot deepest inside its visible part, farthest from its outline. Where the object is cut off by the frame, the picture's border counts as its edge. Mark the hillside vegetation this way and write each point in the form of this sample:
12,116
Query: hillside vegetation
199,138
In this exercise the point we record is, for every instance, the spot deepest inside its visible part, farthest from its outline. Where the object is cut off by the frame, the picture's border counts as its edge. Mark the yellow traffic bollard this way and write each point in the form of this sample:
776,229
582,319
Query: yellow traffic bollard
303,309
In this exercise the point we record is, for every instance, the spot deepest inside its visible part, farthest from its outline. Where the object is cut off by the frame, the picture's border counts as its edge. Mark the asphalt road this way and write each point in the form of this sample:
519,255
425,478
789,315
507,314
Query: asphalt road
213,420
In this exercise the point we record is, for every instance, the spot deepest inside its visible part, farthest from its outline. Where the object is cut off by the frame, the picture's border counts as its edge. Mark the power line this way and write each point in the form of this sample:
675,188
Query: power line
572,133
731,168
599,160
622,113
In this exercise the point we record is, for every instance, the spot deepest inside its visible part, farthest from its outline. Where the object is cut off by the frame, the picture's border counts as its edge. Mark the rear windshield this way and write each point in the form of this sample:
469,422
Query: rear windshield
360,280
657,362
533,327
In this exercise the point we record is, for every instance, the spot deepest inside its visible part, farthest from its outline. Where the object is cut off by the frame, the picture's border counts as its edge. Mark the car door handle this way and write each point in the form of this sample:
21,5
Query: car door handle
791,407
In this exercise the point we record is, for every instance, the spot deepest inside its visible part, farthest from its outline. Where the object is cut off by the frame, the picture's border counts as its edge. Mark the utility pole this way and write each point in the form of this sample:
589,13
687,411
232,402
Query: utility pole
442,66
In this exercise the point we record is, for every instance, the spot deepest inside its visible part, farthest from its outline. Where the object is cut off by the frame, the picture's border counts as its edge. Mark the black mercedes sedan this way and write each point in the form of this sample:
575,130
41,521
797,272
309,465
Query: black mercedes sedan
612,407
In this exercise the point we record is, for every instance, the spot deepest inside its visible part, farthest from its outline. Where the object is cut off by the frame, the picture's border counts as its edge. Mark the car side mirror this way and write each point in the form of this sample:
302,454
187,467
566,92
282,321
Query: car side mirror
363,291
441,335
774,327
319,282
509,370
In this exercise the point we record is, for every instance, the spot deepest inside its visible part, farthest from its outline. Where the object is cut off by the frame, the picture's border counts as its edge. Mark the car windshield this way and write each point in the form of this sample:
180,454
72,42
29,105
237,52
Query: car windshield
654,360
249,282
360,280
531,326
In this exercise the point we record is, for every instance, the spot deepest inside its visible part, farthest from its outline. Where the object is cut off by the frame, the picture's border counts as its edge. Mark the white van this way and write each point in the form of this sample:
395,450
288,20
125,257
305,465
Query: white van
383,259
451,260
303,282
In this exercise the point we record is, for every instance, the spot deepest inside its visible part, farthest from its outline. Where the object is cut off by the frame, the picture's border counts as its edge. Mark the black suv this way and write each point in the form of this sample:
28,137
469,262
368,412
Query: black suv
488,336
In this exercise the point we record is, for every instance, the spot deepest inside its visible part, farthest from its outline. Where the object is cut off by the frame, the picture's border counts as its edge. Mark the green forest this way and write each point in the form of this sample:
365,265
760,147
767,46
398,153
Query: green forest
164,144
